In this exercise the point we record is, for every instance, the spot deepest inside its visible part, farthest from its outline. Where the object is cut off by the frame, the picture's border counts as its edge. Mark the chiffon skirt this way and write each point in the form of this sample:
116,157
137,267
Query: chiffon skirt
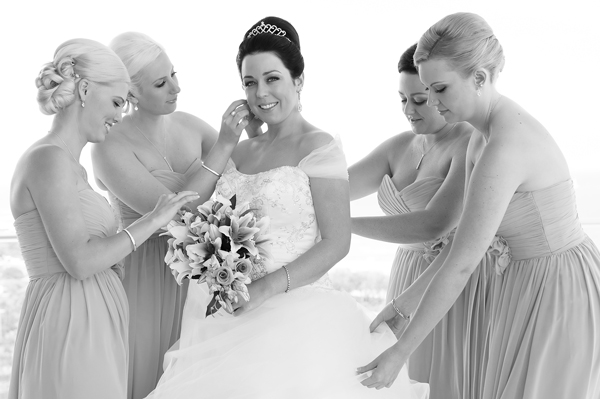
545,333
452,358
155,308
303,344
72,339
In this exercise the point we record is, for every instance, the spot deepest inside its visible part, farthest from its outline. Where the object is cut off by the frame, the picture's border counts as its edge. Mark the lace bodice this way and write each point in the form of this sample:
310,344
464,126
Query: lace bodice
285,196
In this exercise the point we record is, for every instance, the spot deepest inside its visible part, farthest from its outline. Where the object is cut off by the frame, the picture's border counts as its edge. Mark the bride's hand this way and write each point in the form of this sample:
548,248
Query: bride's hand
384,369
258,294
396,323
253,128
234,121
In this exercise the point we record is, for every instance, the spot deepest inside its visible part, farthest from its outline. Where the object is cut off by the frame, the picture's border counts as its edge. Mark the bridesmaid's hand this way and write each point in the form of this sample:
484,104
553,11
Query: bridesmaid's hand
167,206
258,294
384,369
396,323
234,121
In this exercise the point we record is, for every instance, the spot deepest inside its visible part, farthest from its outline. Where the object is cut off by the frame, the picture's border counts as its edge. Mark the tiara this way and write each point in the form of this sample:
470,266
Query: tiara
266,28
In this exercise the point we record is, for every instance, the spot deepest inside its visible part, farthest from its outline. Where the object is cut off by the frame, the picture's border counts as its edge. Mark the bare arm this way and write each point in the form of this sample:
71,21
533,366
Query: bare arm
121,172
439,217
52,184
366,174
494,180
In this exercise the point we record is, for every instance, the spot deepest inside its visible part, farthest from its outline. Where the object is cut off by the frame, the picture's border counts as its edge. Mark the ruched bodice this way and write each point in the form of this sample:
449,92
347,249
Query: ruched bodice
173,181
72,336
413,197
542,222
36,249
450,358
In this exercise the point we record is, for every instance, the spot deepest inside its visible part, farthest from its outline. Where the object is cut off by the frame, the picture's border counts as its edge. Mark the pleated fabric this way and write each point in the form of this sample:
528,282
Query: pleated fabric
155,299
545,309
72,337
453,356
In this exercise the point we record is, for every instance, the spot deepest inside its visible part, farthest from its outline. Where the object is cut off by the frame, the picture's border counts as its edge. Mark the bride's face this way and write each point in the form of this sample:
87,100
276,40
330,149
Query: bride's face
271,91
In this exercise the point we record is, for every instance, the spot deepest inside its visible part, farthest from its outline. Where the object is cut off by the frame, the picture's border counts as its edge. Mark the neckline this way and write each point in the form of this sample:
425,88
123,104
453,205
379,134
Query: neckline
420,181
178,173
264,171
569,180
88,188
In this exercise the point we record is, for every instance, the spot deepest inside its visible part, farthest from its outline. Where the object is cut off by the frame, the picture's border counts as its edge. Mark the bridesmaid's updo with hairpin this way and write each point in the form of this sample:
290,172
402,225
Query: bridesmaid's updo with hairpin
276,35
74,60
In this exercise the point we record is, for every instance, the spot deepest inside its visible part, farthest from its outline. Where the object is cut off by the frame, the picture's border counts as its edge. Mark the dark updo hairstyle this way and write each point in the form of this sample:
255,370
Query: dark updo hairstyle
406,63
286,47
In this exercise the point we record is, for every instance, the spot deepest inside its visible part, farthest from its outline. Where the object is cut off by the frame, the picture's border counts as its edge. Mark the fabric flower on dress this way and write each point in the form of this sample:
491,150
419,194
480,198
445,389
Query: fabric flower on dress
500,249
434,247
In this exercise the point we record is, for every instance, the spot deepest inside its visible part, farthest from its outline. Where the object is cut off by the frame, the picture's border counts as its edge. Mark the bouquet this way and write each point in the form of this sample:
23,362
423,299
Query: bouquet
220,244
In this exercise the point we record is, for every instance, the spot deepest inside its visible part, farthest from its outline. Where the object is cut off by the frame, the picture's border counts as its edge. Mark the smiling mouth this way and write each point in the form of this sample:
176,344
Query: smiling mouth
442,111
411,120
266,107
173,100
108,125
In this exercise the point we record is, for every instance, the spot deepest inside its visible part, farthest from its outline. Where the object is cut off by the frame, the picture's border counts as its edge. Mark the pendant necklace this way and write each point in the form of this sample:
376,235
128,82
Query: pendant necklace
423,152
164,157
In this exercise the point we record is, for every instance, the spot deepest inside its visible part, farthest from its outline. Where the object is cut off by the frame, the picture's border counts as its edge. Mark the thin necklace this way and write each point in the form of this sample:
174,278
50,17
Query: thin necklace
164,157
423,152
70,153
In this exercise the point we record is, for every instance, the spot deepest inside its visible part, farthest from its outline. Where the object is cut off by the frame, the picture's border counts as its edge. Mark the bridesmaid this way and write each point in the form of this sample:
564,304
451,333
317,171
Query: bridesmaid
545,303
156,151
72,337
419,178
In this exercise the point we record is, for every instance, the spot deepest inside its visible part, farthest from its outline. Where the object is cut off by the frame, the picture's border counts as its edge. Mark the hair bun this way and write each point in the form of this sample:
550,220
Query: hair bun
56,86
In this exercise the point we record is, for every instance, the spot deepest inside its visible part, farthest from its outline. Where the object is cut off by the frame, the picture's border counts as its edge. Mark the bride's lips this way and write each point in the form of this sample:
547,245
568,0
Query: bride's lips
267,107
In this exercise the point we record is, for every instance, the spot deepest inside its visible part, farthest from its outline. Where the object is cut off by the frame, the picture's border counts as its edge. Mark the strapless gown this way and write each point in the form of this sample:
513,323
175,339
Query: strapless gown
545,331
303,344
72,337
155,300
452,357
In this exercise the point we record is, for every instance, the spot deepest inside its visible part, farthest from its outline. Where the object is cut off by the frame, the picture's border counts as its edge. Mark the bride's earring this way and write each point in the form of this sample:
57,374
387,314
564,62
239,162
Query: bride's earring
299,103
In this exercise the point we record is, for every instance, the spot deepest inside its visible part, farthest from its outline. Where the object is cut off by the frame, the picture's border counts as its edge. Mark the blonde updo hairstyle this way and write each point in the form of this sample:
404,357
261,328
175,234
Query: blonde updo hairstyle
466,41
137,51
74,60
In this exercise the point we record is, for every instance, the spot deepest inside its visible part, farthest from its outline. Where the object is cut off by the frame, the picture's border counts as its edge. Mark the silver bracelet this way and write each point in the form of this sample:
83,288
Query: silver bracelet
131,238
287,272
210,170
405,317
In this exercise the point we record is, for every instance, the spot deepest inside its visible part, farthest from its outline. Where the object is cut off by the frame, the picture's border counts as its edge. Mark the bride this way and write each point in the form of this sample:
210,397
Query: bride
297,337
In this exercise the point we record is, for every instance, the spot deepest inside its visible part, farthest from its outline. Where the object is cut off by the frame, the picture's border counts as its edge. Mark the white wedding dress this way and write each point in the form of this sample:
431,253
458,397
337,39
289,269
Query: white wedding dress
303,344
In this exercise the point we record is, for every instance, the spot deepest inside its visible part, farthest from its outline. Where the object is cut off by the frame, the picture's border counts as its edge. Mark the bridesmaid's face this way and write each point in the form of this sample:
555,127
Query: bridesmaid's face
157,93
453,95
422,118
271,91
103,108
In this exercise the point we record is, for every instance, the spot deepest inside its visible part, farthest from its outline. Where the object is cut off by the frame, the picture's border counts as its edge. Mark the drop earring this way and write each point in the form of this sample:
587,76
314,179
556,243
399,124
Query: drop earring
136,107
299,103
82,104
479,91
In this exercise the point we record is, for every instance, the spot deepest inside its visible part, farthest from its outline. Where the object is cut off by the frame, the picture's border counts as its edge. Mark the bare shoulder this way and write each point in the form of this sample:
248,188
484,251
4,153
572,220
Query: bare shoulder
44,162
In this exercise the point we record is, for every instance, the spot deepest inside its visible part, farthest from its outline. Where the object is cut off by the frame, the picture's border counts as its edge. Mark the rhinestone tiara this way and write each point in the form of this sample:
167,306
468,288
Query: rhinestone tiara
266,28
